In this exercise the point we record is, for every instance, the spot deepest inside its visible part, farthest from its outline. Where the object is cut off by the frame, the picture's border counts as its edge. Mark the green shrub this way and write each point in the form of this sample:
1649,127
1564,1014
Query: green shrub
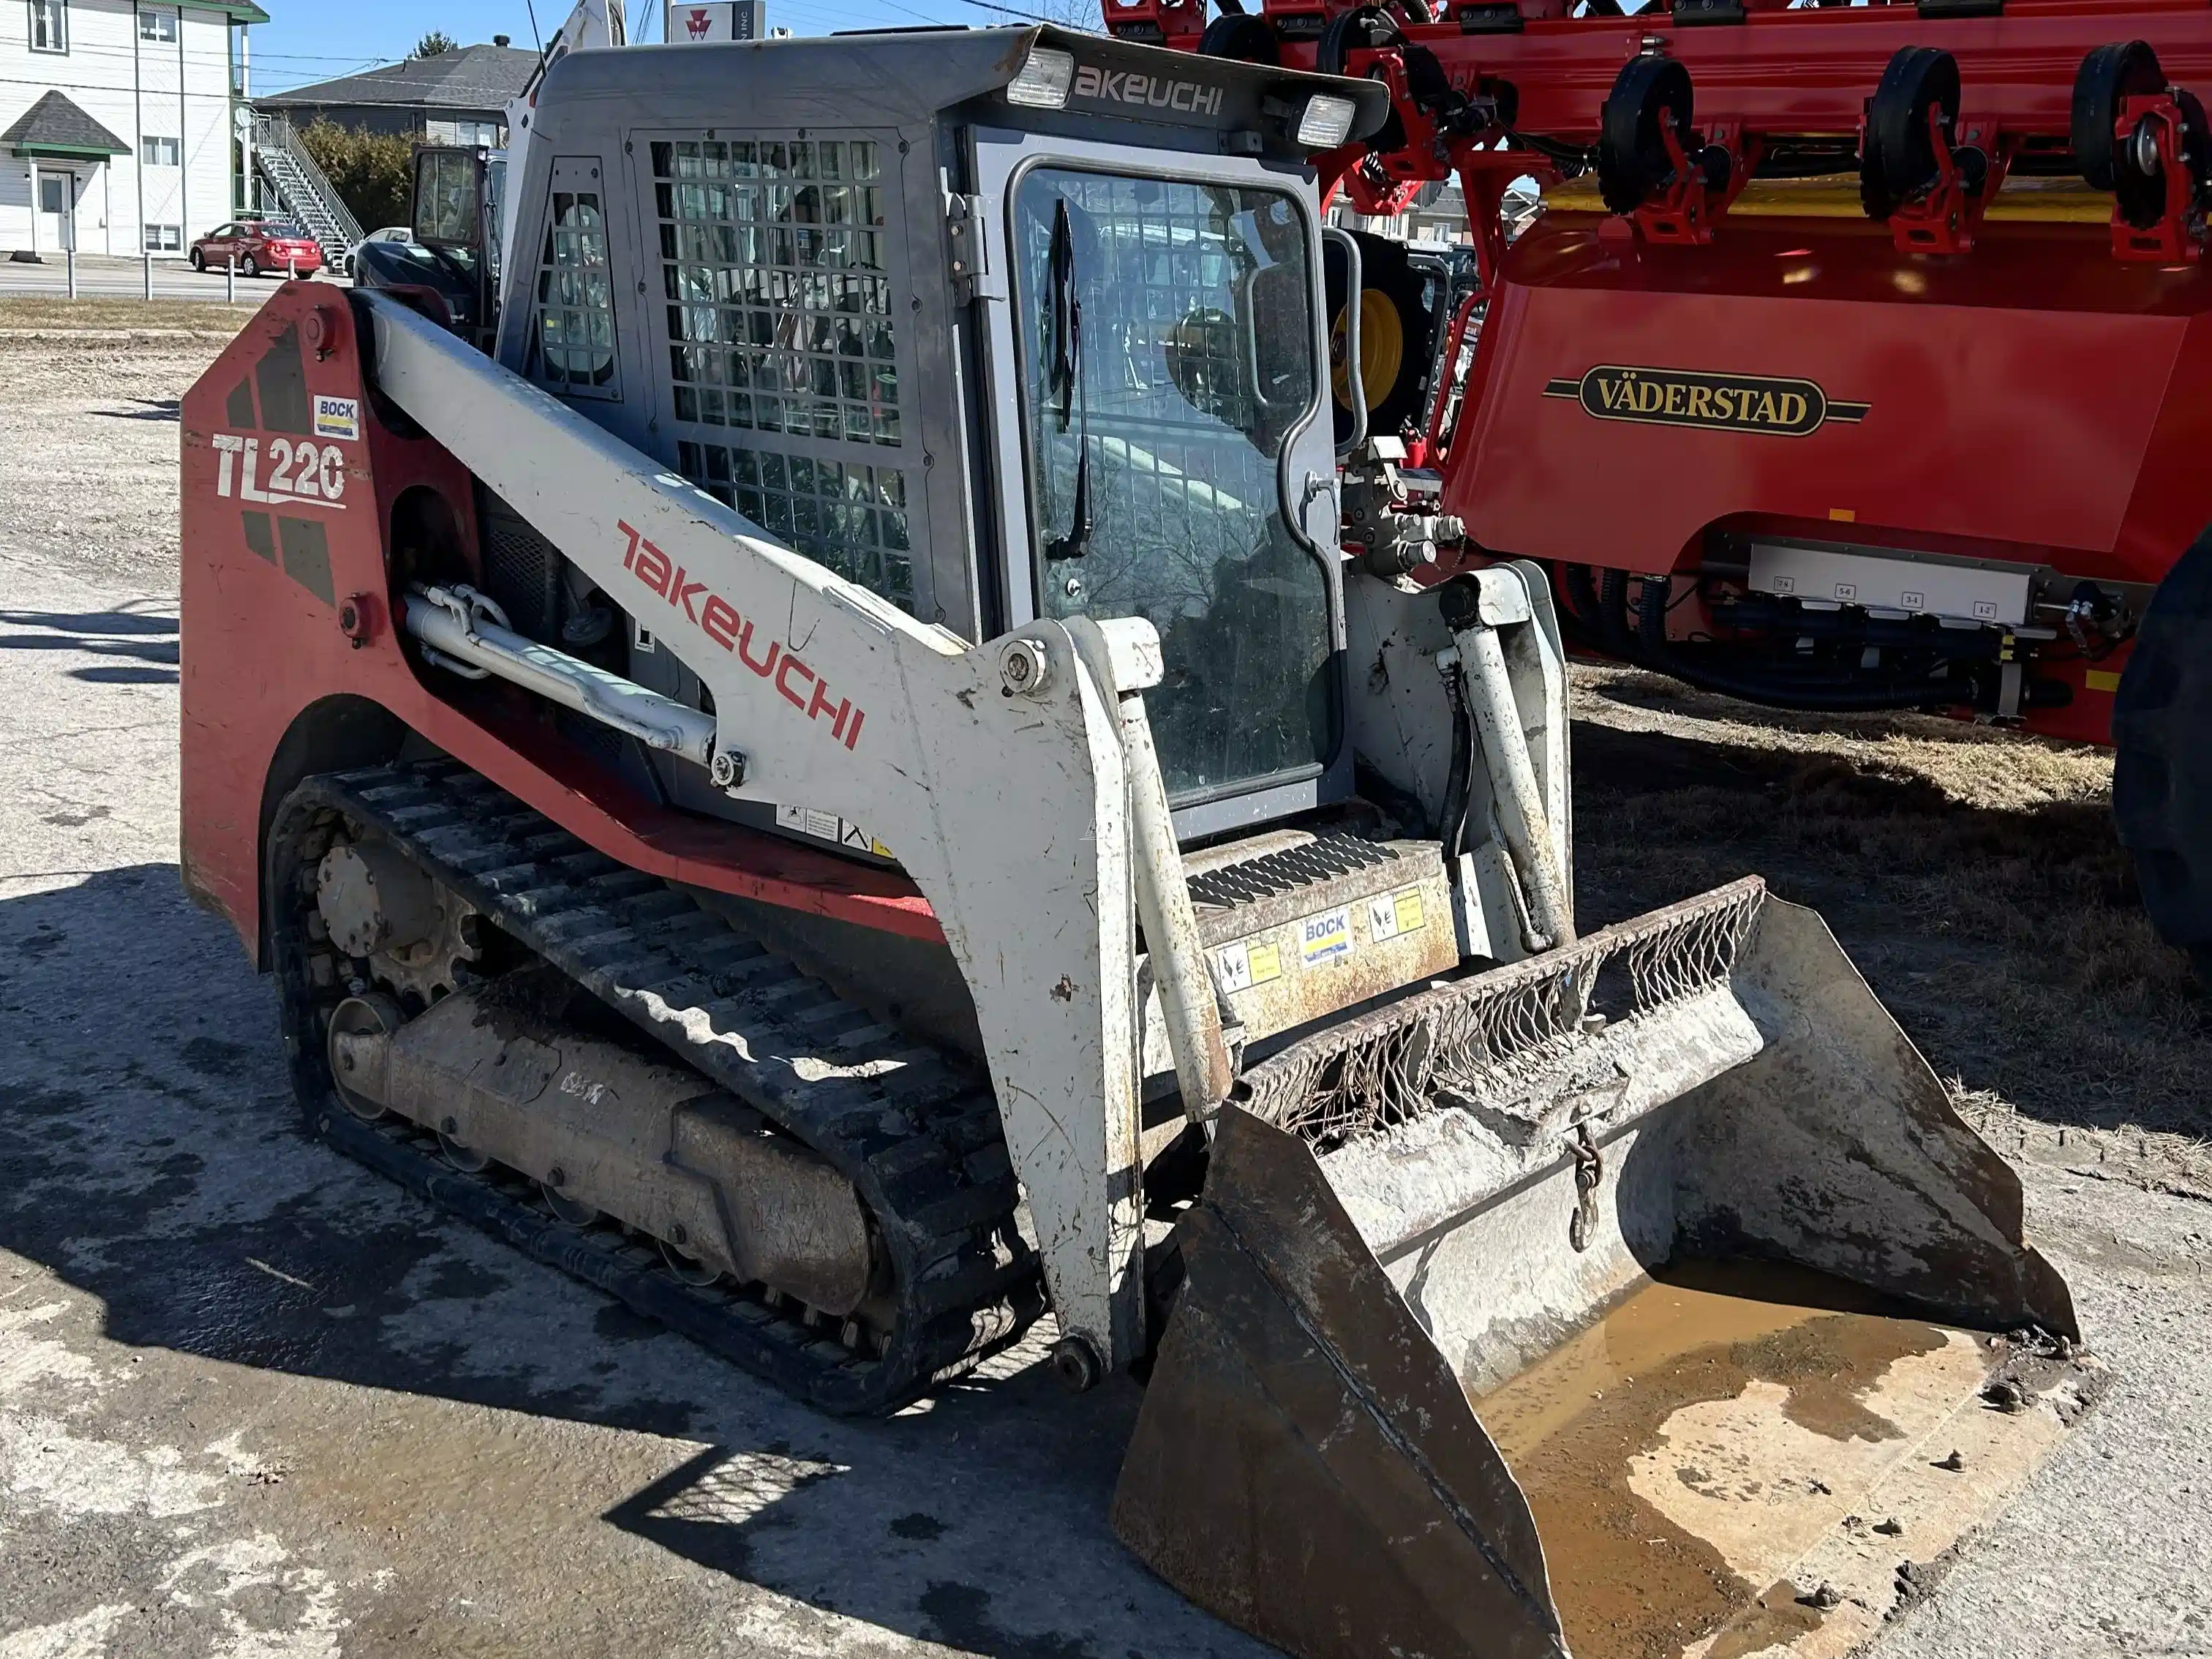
373,172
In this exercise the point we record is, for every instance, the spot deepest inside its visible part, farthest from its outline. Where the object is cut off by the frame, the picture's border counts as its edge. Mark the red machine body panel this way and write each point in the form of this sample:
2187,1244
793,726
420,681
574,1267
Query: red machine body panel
2015,388
1774,69
2022,403
294,485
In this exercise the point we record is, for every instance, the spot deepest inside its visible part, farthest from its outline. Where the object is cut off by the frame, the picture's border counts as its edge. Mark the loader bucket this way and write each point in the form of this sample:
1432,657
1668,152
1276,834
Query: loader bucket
1507,1330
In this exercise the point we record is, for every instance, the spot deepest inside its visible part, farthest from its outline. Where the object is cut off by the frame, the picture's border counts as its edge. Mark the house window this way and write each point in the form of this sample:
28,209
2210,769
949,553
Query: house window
164,238
48,25
157,26
482,134
159,152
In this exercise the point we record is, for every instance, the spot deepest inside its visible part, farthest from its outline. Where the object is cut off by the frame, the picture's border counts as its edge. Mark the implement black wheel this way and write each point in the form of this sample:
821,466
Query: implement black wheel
1397,338
1241,36
1899,162
2162,737
2124,68
1650,94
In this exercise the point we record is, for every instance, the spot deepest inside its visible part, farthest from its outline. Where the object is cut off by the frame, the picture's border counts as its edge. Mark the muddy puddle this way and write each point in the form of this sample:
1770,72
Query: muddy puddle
1682,1452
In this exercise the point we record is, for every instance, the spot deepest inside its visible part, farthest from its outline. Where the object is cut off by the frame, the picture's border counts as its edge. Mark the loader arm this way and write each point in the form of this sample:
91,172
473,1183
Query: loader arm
1010,807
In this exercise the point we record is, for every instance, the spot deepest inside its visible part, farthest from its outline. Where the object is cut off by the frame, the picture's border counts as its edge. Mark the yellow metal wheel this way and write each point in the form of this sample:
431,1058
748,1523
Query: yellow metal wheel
1382,351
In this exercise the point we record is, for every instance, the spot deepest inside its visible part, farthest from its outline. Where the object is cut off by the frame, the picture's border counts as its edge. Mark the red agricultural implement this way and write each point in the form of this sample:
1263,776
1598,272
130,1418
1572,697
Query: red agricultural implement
1869,374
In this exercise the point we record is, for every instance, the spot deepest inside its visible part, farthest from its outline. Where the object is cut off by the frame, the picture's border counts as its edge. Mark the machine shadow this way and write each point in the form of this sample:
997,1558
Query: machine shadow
1009,1577
147,644
151,1158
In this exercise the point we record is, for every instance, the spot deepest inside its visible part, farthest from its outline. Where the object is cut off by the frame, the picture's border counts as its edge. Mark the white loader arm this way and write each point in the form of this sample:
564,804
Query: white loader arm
1003,792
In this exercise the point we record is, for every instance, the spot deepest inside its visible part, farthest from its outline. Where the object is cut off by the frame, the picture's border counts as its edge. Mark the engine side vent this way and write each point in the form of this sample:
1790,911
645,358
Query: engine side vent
522,570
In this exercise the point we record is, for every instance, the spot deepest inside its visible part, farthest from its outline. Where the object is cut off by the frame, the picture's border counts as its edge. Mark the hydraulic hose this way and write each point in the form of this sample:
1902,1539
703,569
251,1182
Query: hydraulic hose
1579,614
1612,615
1458,780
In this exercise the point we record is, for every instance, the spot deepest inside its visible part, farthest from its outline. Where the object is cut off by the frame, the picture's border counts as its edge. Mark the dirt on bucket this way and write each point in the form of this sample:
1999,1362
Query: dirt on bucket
1681,1451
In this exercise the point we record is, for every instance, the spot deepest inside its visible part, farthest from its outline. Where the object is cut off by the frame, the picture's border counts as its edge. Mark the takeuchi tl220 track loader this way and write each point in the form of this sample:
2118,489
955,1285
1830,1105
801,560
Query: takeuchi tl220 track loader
837,786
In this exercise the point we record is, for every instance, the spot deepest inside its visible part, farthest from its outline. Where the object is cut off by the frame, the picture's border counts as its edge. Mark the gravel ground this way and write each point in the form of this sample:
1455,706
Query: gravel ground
255,1401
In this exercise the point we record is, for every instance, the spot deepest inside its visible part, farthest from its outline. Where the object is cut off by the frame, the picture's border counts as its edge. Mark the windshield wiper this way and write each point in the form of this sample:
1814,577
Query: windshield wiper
1066,312
1066,384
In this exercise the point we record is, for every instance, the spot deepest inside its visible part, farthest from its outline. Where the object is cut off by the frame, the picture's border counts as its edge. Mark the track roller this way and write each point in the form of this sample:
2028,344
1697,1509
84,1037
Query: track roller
373,1015
569,1210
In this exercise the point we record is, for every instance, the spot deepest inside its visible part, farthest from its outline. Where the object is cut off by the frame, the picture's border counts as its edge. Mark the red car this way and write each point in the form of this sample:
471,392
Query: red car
255,246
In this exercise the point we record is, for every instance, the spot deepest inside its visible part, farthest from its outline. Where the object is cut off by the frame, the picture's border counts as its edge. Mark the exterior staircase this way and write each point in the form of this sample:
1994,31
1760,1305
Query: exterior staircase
305,194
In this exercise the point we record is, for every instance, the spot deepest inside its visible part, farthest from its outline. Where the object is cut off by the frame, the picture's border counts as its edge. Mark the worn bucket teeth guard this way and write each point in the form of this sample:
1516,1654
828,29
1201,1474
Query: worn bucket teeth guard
1307,1463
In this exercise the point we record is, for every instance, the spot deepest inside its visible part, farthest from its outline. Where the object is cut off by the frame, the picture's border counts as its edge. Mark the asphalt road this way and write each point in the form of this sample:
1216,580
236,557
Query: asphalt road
99,275
255,1401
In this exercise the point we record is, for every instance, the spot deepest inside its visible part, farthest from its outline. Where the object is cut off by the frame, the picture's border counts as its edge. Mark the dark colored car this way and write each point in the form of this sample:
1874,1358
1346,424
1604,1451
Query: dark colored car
258,245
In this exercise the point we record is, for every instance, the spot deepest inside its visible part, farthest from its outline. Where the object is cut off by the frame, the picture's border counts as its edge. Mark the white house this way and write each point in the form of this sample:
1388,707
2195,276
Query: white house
117,124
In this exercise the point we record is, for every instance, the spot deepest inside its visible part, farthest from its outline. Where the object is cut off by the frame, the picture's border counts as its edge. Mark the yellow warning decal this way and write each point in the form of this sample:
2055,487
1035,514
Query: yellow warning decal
1389,914
1244,965
2100,679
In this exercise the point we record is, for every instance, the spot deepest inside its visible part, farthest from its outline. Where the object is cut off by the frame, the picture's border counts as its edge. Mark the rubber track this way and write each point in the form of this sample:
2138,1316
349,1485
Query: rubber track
918,1134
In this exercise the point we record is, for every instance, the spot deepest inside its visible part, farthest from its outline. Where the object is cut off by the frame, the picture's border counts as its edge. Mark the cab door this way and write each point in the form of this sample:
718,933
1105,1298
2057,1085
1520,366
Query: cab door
57,208
1163,448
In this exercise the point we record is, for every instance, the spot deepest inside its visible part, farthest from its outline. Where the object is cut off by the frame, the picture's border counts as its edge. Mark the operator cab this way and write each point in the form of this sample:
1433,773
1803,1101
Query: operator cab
453,250
1001,325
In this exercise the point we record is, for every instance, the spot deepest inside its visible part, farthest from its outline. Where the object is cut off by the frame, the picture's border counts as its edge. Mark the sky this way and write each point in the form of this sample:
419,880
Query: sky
309,40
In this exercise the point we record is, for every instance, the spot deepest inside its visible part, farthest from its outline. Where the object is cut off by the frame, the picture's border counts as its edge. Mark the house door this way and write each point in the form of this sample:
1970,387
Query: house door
56,210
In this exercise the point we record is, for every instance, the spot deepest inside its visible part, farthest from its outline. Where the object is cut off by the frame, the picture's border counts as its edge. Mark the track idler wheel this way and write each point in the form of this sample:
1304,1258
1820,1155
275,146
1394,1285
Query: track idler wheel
2132,168
1900,164
373,1015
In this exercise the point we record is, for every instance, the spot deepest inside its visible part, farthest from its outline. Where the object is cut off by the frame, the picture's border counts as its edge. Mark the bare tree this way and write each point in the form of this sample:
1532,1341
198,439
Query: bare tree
1081,15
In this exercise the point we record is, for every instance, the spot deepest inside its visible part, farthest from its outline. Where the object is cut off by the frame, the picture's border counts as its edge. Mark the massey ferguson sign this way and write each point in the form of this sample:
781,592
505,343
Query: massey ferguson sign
717,20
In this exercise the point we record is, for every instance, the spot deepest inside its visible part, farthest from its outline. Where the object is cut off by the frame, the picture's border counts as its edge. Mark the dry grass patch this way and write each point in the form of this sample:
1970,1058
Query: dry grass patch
1972,873
114,314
